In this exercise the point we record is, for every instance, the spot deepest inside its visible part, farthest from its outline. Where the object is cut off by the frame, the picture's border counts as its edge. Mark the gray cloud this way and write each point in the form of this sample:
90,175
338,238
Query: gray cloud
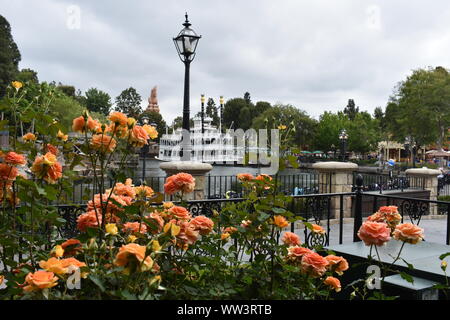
312,54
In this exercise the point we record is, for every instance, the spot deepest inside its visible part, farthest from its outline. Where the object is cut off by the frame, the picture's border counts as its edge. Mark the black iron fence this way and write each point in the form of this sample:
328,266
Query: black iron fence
216,187
384,182
222,187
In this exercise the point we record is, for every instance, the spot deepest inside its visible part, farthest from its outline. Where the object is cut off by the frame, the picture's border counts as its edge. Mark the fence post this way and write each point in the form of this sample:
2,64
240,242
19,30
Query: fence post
429,182
448,225
358,207
339,176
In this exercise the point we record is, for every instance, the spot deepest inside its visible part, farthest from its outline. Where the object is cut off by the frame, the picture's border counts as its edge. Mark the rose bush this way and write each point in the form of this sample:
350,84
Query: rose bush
130,244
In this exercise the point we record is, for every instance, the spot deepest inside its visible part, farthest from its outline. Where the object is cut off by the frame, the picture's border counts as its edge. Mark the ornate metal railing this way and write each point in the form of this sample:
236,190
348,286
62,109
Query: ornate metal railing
322,209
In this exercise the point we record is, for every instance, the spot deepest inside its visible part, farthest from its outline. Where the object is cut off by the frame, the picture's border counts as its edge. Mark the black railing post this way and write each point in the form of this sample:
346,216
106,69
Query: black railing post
448,224
358,207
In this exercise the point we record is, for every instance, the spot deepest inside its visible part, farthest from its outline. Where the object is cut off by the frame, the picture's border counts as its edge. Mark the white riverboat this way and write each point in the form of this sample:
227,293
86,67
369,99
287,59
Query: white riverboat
212,146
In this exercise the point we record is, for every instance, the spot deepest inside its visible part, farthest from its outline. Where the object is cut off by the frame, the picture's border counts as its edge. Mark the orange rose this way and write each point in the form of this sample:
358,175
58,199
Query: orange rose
202,224
376,233
61,136
101,203
51,148
139,136
337,264
40,280
47,167
388,209
230,230
118,118
224,236
157,222
317,229
263,177
333,283
89,220
377,217
29,137
132,256
151,131
408,232
54,173
8,173
121,189
15,159
188,234
314,264
144,191
79,124
296,253
183,182
291,239
180,213
72,262
168,205
393,219
280,221
71,247
53,265
245,177
103,143
134,227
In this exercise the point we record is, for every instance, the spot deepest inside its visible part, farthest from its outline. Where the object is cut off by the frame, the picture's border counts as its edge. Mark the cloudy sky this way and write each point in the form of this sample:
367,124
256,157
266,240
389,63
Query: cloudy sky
312,54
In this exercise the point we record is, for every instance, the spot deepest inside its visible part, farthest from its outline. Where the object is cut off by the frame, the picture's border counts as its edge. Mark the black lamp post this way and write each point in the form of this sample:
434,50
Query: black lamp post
186,43
221,113
407,146
343,137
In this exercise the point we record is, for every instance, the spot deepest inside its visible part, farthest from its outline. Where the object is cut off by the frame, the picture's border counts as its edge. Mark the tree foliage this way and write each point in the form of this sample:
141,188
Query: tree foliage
98,101
9,56
129,102
420,107
301,125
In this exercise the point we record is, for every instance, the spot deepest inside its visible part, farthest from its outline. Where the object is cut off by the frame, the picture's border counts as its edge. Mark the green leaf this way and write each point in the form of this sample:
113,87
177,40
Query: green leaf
407,277
443,256
97,281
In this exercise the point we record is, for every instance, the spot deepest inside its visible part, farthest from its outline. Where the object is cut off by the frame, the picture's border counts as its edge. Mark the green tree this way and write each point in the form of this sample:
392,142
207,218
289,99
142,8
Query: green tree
68,90
328,129
351,110
233,111
98,101
262,106
27,75
420,107
129,102
363,134
9,56
300,125
212,112
177,122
